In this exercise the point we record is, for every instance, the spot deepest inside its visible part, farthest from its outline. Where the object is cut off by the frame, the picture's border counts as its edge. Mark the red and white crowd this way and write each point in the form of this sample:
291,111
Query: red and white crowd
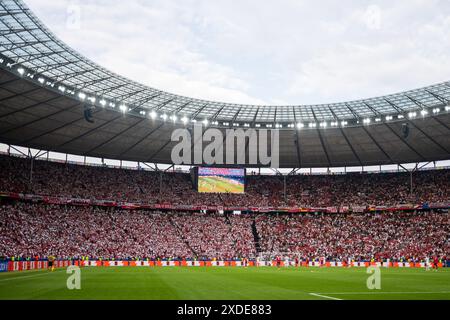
30,230
395,236
102,183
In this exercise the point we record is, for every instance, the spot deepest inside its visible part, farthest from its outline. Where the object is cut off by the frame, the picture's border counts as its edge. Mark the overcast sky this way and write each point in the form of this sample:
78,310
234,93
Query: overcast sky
271,52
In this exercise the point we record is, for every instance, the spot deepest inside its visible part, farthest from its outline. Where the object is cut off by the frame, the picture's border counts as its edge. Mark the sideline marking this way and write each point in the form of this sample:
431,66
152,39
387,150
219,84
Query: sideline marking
367,293
322,296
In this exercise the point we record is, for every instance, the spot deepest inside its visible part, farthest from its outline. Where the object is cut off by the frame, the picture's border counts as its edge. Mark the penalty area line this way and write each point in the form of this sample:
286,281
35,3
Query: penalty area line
323,296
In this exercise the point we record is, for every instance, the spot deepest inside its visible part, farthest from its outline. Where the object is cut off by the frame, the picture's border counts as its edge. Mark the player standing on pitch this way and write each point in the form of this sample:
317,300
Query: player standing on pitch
436,263
51,263
278,261
286,261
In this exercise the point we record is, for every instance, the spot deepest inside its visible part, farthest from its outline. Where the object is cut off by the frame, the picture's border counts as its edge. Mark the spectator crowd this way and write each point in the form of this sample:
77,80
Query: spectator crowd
360,237
30,230
103,183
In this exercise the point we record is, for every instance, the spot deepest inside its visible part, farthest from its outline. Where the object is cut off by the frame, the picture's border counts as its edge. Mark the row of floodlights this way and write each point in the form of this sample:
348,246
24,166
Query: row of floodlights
153,115
42,80
365,121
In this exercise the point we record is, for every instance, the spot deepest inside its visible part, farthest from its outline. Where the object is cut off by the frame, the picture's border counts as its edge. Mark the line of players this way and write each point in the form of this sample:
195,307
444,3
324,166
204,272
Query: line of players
322,262
287,262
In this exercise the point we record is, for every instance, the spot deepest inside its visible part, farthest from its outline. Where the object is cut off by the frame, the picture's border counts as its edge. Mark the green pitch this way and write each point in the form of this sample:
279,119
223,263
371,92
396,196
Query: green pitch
226,284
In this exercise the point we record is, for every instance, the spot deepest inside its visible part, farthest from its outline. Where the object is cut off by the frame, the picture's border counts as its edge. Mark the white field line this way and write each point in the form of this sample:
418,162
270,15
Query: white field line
322,296
378,292
30,276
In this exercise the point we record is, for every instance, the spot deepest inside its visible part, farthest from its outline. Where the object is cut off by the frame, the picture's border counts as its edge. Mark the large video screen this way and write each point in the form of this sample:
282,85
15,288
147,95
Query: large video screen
221,180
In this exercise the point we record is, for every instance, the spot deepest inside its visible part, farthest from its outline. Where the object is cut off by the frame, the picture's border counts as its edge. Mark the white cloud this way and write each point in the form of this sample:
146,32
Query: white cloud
348,69
253,52
402,50
372,17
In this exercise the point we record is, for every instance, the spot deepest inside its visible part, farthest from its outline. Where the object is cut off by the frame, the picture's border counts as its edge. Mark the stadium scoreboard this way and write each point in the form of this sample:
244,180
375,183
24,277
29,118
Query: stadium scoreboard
220,180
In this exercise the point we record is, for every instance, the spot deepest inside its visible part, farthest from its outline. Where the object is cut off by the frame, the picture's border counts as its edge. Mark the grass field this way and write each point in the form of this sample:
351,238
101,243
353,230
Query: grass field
219,185
268,283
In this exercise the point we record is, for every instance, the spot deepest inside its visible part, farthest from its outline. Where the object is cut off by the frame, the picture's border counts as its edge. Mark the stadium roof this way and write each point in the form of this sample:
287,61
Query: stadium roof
45,85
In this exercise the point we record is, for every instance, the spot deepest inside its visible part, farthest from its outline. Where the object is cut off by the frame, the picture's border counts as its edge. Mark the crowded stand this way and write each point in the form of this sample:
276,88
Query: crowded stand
141,186
36,230
28,230
395,236
31,228
216,236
